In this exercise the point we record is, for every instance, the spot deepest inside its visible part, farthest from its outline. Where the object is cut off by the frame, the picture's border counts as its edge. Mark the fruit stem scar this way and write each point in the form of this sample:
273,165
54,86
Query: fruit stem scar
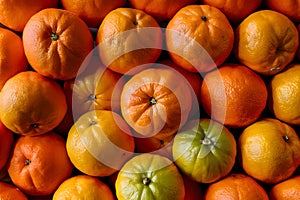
27,161
135,23
92,97
152,101
206,141
34,125
285,138
146,181
204,18
93,123
54,36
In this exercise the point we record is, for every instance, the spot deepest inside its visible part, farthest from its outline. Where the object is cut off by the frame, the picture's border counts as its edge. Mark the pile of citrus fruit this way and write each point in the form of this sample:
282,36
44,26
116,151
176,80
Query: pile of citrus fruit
145,100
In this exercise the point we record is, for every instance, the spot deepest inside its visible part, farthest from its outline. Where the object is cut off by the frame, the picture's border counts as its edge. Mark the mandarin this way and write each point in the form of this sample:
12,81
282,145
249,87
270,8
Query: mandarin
11,192
289,8
288,189
6,142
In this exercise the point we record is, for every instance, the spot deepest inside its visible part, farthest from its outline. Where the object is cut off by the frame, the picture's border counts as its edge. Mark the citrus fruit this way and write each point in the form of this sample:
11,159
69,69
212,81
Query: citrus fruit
34,107
11,192
199,38
128,40
13,58
204,150
6,142
56,42
161,10
15,15
236,186
234,10
149,176
266,41
272,144
83,187
288,189
234,95
284,95
99,143
91,12
39,164
153,104
289,8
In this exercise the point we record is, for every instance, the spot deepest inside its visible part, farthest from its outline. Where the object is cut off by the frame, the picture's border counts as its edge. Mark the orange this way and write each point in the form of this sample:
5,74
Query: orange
35,167
284,94
13,58
236,186
99,143
266,41
269,150
16,15
128,40
6,142
34,107
234,10
92,12
11,192
162,10
204,150
83,187
288,189
234,95
199,38
56,42
149,176
153,104
289,8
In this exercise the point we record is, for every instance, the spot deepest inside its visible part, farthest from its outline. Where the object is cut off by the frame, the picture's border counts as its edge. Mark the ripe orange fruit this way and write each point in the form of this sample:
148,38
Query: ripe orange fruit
266,41
284,95
234,95
11,192
199,38
149,176
6,142
128,40
161,10
91,12
56,42
234,10
235,186
83,187
34,107
289,8
204,150
153,104
35,167
13,58
16,15
288,189
99,143
272,144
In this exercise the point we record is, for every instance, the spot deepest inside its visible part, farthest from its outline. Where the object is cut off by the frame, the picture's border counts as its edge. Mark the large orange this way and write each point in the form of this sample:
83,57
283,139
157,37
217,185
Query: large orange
128,39
236,186
16,14
288,189
11,192
153,104
6,142
39,164
83,187
266,41
56,42
290,8
162,10
269,150
284,94
34,107
92,12
99,143
234,10
199,38
234,95
13,58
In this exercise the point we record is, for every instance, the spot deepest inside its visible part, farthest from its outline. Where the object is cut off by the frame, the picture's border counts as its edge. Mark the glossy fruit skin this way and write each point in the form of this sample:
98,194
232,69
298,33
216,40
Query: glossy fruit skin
149,176
266,41
288,189
6,142
204,150
289,8
199,38
284,94
56,42
236,186
273,144
10,192
83,187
